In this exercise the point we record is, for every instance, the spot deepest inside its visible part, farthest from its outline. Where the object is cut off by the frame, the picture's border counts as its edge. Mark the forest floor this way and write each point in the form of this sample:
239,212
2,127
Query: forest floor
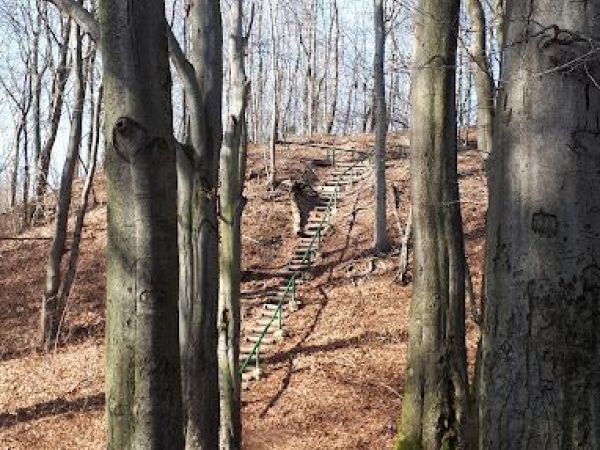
335,382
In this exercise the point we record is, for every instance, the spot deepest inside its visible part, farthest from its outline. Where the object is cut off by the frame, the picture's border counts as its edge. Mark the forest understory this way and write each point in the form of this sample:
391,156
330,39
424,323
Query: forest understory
336,381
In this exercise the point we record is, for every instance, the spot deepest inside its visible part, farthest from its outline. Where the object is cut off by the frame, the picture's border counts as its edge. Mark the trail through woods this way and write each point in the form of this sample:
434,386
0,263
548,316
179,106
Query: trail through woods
334,382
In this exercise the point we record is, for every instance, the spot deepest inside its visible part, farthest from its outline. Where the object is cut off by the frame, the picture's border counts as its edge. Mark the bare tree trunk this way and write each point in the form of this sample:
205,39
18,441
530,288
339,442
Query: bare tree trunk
434,404
380,239
336,68
198,228
484,84
26,184
17,156
61,76
312,69
274,105
499,25
36,88
91,64
366,109
257,93
540,381
232,204
143,371
69,278
52,304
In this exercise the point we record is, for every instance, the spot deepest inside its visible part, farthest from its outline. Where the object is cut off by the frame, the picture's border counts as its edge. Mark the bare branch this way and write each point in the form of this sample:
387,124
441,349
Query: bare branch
79,14
183,66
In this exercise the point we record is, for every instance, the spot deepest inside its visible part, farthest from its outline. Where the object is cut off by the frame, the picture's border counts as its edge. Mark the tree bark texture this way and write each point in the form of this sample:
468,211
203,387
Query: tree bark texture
198,228
434,403
232,204
142,355
336,68
275,94
380,239
61,75
53,305
484,84
540,385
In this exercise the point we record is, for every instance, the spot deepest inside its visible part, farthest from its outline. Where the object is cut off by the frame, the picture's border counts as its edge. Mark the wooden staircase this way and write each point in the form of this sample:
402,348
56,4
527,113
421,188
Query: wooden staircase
267,329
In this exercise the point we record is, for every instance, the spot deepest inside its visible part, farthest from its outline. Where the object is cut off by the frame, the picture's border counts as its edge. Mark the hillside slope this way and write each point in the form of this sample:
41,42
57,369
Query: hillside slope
336,382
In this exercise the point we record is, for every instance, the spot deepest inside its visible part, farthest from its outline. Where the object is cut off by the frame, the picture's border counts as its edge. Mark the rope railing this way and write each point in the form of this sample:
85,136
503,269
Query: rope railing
290,288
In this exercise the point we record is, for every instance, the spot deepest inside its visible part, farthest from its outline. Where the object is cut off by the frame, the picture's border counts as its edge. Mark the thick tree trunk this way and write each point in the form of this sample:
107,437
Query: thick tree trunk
143,373
232,204
484,84
198,221
52,304
434,404
540,385
380,239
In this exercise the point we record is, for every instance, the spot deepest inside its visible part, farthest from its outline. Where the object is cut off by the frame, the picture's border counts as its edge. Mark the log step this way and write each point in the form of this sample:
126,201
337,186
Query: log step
296,268
269,313
259,327
247,348
244,357
264,321
265,340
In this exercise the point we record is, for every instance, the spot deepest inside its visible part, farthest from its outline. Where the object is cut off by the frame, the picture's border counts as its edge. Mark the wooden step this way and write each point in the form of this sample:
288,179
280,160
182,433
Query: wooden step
269,313
339,183
246,348
244,357
273,306
296,268
325,187
298,263
312,252
302,250
263,322
265,339
259,328
348,164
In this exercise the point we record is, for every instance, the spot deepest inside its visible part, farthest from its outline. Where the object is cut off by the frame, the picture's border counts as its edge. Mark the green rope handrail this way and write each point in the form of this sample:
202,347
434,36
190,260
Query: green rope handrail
292,281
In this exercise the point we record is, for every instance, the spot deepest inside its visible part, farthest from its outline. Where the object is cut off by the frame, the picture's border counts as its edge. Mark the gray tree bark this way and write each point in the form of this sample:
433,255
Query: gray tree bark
275,95
484,83
143,371
380,238
540,382
69,278
198,232
19,127
434,403
52,304
336,68
61,75
232,204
